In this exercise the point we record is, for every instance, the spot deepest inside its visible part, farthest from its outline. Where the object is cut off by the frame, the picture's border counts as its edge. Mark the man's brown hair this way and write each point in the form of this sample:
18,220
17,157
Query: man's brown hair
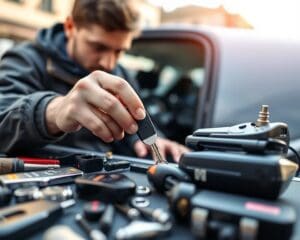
112,15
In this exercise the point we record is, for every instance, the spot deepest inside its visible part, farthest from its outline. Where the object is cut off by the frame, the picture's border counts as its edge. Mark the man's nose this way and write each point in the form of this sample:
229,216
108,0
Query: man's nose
108,61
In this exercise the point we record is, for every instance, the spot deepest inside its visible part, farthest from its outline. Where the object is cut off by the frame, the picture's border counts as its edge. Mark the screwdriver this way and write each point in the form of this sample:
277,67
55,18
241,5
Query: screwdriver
148,135
12,165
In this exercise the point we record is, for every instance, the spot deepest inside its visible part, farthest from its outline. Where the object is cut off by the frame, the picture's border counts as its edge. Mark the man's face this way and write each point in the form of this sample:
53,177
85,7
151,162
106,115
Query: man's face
96,49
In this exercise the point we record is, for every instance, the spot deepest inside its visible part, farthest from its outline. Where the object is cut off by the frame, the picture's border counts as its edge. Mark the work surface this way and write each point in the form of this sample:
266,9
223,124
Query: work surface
179,231
292,196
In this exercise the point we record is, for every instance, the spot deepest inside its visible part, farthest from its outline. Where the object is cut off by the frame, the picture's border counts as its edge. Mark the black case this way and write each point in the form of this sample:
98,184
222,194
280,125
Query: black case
111,188
275,219
247,174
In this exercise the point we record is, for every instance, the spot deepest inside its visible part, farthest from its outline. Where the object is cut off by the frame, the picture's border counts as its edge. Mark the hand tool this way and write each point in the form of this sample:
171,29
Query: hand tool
148,135
94,234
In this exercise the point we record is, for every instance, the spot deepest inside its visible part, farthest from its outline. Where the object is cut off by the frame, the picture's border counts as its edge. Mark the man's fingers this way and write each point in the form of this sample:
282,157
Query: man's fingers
140,148
175,151
88,119
115,129
109,100
119,87
110,104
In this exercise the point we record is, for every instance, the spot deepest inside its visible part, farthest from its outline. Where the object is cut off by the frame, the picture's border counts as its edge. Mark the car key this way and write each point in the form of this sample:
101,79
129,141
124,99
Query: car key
148,135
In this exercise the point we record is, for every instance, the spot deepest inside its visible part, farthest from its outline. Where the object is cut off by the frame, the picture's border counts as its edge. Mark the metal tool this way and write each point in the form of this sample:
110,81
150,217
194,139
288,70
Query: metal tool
155,214
142,190
148,135
61,232
139,202
25,194
56,193
141,230
94,234
20,220
40,178
12,165
131,213
164,176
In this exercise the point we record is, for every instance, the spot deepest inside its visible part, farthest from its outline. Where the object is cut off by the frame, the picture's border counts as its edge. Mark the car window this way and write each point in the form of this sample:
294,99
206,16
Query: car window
255,72
170,74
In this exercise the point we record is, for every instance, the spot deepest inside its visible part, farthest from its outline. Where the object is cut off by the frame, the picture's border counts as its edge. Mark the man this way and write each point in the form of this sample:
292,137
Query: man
66,87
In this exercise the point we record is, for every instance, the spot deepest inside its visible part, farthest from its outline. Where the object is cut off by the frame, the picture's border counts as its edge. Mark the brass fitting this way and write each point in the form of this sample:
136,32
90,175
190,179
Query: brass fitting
263,116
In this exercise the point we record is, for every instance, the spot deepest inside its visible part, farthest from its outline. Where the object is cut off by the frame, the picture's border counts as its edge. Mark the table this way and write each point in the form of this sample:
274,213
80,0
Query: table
291,196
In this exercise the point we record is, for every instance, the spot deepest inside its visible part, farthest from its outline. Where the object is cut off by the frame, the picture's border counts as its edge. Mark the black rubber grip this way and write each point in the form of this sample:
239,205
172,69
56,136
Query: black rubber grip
146,128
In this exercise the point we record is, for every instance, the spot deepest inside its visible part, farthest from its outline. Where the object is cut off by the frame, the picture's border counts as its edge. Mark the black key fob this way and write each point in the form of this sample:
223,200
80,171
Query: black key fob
112,188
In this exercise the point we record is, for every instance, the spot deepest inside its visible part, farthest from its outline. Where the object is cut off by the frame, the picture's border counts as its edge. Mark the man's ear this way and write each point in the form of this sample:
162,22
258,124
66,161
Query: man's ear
69,27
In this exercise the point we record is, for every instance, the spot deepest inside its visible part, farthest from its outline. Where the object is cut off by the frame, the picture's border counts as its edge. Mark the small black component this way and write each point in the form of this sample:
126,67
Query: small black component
146,131
139,168
162,176
93,210
111,165
5,195
106,187
89,163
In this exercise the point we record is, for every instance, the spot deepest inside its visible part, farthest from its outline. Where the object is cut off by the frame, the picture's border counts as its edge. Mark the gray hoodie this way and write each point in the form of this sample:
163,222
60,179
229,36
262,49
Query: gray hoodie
32,74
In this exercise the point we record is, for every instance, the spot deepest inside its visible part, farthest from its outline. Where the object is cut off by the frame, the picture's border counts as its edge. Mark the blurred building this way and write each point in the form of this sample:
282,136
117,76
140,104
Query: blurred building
204,16
20,19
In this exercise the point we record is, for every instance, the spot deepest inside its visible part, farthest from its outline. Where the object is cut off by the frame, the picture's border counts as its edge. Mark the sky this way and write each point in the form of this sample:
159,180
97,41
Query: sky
271,16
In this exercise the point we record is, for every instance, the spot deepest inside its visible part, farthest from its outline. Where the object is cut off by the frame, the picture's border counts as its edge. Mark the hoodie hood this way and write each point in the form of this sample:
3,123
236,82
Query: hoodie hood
53,42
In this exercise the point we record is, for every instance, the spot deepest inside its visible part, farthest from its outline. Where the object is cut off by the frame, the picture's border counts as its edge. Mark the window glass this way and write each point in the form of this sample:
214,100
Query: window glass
46,5
170,75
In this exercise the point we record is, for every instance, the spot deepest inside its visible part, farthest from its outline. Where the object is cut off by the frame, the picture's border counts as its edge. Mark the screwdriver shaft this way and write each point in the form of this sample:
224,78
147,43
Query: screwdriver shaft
159,158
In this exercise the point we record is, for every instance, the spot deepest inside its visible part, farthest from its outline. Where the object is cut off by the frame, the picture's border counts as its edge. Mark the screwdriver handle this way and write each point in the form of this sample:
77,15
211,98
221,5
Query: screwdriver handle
11,165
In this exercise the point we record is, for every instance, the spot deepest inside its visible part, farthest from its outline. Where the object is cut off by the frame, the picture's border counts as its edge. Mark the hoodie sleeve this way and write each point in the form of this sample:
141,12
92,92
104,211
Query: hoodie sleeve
23,100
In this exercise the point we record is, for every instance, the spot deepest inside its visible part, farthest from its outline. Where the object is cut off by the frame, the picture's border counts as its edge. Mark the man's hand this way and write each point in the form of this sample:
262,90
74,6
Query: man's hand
104,104
165,146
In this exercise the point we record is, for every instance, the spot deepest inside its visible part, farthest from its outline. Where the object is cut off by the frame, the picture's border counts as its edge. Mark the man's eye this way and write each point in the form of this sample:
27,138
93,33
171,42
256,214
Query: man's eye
98,48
